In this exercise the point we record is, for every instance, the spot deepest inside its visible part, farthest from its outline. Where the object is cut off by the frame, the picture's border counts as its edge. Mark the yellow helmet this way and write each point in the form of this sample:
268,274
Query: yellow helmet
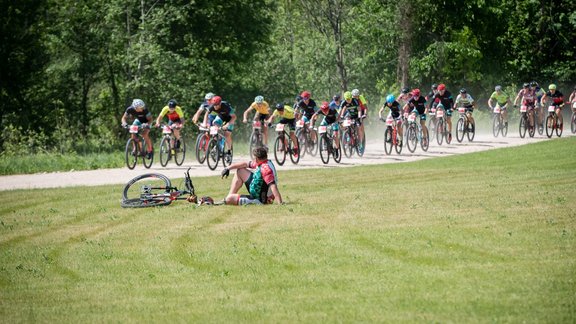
552,87
347,95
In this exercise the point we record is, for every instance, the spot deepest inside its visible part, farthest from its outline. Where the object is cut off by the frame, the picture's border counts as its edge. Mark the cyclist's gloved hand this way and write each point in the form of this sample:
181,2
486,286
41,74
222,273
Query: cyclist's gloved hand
225,173
124,125
381,118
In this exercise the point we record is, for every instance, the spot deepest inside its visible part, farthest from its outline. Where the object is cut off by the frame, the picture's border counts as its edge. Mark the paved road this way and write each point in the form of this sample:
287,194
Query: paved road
374,155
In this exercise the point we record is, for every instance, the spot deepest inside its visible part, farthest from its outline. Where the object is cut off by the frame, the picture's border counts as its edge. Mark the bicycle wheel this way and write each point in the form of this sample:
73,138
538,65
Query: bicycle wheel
504,130
549,126
411,139
336,152
180,153
523,125
361,146
399,141
347,142
324,149
201,147
559,129
254,143
147,161
573,123
294,156
147,190
387,141
440,131
471,132
313,142
496,125
303,144
424,140
131,153
280,150
165,154
460,129
213,153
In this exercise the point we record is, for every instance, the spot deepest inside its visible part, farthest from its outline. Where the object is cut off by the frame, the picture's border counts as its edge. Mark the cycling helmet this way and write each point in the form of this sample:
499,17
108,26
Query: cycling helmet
355,92
552,87
441,87
216,100
172,103
209,96
336,97
534,84
463,90
305,95
347,95
137,103
259,99
434,86
498,88
280,106
298,98
325,106
525,85
416,92
390,98
405,90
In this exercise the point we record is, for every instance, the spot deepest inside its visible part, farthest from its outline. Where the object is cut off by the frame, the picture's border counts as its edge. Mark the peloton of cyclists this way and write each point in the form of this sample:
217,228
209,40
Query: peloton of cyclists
175,117
141,116
262,113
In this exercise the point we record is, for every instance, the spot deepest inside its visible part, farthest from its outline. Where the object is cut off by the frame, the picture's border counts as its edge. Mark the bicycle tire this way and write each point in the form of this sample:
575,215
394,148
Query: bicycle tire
573,123
460,129
388,141
549,126
336,152
324,149
201,147
471,132
180,153
411,139
253,144
213,154
425,140
559,129
139,202
279,150
165,153
147,161
496,125
313,144
131,153
399,143
504,130
295,158
224,156
361,148
523,125
303,146
440,131
347,142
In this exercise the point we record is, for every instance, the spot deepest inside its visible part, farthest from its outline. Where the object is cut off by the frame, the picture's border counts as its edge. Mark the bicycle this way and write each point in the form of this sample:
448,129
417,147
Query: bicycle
134,149
526,114
552,123
202,143
170,147
350,142
463,126
154,189
328,145
498,124
415,135
256,137
432,120
539,125
216,147
573,119
391,138
304,135
441,130
283,145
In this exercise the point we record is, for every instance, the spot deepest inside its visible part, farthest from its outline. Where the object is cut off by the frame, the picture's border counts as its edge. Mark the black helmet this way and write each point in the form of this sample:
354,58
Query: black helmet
405,90
336,97
434,86
298,98
280,106
534,84
172,103
463,90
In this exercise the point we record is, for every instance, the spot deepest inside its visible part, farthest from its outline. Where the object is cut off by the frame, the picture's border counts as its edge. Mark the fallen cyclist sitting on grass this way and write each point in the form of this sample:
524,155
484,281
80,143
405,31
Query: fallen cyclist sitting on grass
261,184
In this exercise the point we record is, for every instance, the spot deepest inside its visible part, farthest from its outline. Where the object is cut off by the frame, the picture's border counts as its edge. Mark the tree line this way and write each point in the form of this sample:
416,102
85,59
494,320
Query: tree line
68,69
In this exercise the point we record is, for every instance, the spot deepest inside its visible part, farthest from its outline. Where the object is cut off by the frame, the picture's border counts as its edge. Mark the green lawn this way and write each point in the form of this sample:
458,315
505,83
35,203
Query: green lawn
483,237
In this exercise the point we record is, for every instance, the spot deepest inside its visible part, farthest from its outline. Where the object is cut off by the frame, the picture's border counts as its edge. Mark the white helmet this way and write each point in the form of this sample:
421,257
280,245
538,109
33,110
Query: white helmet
355,92
209,96
259,99
138,103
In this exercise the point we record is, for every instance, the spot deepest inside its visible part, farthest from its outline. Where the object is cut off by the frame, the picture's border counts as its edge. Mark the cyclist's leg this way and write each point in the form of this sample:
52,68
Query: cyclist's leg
505,114
264,128
423,125
360,130
336,129
292,124
242,177
559,114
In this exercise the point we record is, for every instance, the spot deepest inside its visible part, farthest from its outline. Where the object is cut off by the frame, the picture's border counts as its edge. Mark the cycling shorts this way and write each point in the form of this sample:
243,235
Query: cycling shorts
178,121
290,122
216,120
262,117
421,114
334,125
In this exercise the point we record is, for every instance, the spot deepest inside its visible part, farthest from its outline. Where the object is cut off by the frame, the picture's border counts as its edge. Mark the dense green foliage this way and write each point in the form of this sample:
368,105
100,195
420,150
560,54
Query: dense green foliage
68,69
470,238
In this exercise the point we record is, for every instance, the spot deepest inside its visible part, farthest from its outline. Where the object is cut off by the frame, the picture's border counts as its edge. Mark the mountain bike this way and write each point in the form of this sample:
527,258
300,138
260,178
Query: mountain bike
573,119
154,189
202,143
539,125
527,113
328,145
283,145
442,127
463,126
391,138
216,148
552,123
498,124
256,137
307,137
171,147
134,148
415,135
432,120
350,141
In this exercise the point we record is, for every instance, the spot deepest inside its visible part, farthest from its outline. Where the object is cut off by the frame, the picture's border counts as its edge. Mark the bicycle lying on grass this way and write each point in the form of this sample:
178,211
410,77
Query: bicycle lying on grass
154,189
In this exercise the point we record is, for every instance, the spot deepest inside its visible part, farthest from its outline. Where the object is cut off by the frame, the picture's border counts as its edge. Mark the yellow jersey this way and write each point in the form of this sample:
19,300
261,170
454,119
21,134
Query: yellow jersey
263,108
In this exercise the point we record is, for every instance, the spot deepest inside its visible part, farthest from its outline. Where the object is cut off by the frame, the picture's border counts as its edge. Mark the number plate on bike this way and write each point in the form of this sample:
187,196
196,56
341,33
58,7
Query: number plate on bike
432,112
166,129
551,108
322,129
214,130
347,123
523,108
300,124
134,129
497,109
257,125
280,127
461,110
440,113
412,118
389,121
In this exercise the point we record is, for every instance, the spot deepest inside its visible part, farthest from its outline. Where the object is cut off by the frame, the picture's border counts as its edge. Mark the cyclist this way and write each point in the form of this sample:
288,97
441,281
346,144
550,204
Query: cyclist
363,102
502,99
557,101
445,98
464,99
394,113
351,108
220,112
430,96
572,100
335,103
528,96
175,117
306,108
331,118
287,117
403,98
141,116
262,113
203,107
262,184
417,104
539,93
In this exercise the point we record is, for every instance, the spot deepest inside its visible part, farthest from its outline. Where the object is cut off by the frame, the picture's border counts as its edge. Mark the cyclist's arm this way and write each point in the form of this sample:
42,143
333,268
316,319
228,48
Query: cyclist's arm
543,100
490,103
232,119
246,114
125,119
276,192
572,97
380,111
517,97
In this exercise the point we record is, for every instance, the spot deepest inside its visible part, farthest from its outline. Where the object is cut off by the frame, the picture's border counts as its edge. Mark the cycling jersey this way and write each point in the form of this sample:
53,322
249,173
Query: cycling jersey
419,104
263,108
259,182
225,112
528,96
557,97
464,100
363,102
288,113
329,117
174,116
430,98
445,99
309,108
539,93
501,98
334,104
394,109
141,116
351,107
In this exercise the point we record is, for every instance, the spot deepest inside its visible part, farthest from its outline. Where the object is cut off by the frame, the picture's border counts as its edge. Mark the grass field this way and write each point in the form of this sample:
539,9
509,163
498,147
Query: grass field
483,237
